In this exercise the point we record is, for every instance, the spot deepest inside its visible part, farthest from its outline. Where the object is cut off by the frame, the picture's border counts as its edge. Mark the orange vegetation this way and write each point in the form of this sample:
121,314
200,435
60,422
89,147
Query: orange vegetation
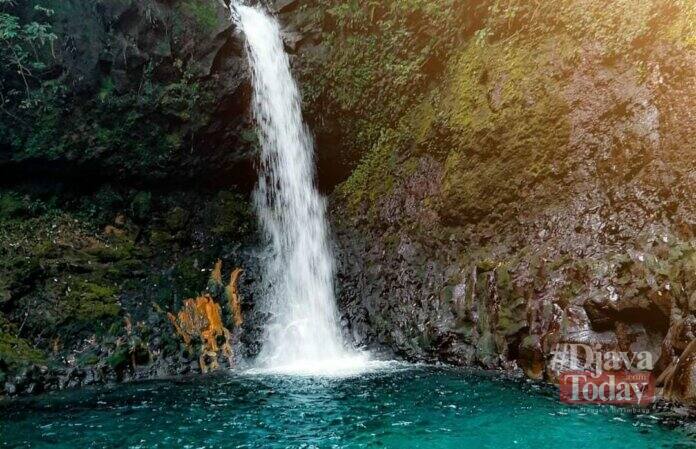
216,275
201,319
233,297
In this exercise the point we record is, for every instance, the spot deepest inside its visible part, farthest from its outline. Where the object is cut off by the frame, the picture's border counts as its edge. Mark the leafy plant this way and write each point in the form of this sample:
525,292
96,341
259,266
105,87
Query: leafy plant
22,48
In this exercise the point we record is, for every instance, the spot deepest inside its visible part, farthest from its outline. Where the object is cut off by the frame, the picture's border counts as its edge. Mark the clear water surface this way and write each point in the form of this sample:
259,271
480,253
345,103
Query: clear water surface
407,407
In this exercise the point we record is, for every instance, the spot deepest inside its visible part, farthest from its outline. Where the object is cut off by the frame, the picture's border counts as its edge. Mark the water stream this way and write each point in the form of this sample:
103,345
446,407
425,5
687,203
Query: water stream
303,334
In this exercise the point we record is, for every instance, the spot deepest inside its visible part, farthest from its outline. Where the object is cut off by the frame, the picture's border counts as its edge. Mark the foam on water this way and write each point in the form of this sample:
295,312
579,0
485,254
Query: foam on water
351,366
303,334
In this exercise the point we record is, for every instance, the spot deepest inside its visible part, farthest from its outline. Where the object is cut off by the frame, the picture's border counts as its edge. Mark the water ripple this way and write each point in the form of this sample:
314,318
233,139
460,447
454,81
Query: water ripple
405,407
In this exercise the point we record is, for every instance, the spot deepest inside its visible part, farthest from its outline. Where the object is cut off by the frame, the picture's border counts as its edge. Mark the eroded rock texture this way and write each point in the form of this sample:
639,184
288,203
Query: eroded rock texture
538,190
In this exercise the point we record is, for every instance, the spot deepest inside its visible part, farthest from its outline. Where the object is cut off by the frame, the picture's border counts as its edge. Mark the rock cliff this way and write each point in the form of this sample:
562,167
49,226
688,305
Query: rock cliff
529,180
506,177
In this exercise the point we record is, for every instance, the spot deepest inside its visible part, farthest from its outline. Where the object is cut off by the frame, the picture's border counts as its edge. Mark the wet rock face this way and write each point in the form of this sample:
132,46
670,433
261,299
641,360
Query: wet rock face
494,256
118,39
146,91
432,294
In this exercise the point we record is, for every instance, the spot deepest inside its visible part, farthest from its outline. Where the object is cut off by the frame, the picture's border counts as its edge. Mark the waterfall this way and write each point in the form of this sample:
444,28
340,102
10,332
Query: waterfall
303,333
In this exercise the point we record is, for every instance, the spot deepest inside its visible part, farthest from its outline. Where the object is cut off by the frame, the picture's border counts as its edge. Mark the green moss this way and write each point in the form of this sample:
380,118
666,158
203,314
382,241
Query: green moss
203,12
176,218
374,176
141,205
113,252
119,359
510,125
498,121
106,89
159,237
511,316
377,63
486,264
495,116
90,304
16,352
423,121
681,30
87,359
125,130
617,26
189,278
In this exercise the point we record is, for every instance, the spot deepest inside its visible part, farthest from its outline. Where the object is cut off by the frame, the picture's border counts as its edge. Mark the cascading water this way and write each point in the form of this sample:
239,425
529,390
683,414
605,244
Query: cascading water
303,335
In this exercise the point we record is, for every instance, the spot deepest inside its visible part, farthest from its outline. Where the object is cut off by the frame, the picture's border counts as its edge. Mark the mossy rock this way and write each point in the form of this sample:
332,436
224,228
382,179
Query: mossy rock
113,252
141,206
16,352
11,206
176,219
159,237
87,359
486,264
189,278
119,359
512,317
375,175
230,216
510,125
203,12
496,116
619,26
87,306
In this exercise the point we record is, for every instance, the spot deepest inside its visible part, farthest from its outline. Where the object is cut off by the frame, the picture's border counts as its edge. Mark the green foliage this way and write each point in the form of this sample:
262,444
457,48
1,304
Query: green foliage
64,277
107,88
509,127
137,123
11,205
181,98
140,206
21,58
119,359
98,209
15,352
114,129
87,359
14,205
494,115
619,26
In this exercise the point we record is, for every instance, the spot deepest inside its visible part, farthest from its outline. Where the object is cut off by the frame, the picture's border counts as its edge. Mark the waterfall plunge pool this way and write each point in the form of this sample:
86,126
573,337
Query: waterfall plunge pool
398,407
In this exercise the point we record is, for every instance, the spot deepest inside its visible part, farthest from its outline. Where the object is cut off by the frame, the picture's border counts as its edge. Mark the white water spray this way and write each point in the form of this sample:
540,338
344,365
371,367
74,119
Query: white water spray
303,335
